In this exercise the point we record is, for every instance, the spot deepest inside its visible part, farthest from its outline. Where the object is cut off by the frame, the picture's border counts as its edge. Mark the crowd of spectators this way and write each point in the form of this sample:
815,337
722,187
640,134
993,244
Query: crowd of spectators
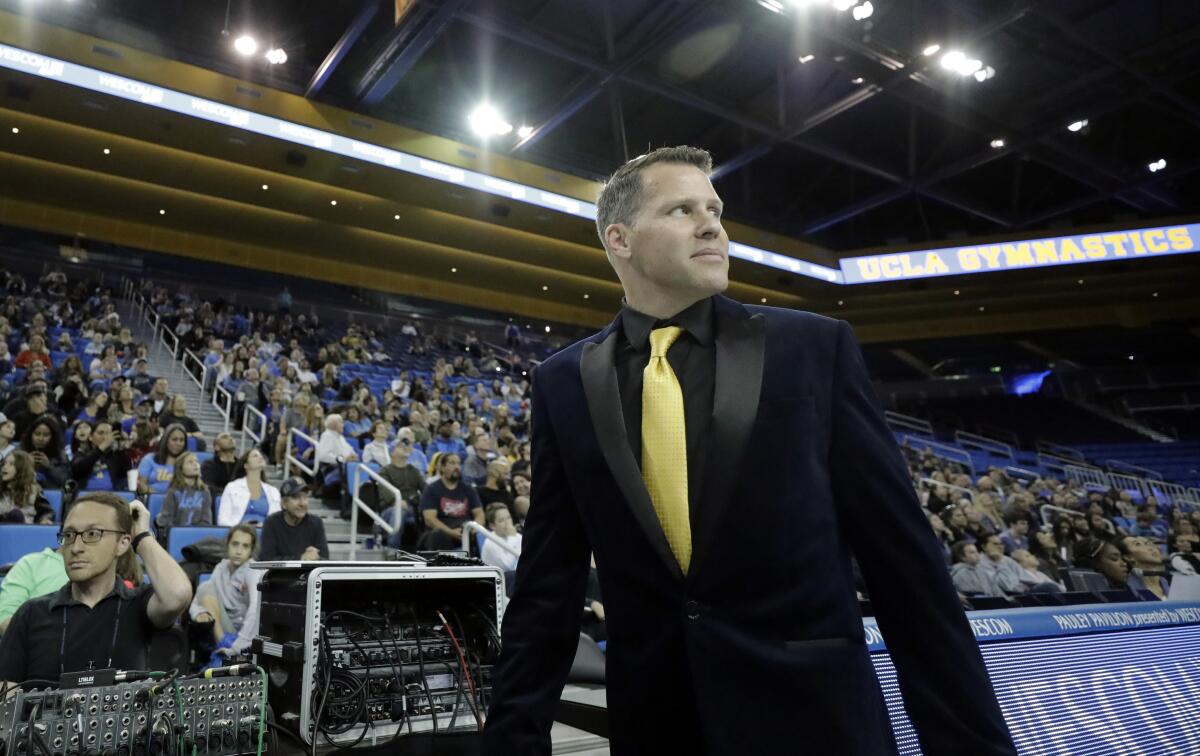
1010,532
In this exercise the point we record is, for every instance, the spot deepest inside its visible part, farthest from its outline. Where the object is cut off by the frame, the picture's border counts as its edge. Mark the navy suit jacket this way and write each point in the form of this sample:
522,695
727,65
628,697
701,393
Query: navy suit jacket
762,638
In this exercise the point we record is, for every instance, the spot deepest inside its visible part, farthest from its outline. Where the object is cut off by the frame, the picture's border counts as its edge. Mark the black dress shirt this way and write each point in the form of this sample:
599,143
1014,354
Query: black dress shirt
693,358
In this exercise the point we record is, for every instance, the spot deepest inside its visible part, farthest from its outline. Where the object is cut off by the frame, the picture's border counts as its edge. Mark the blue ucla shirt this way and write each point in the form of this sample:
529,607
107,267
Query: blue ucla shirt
158,475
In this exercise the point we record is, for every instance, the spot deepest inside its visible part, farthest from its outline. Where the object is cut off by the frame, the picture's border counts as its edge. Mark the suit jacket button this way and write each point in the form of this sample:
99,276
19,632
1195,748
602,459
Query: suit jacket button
692,610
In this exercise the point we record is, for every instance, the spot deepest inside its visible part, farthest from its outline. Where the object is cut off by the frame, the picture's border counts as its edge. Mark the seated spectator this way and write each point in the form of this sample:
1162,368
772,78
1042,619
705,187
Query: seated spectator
520,511
1045,549
44,442
156,470
229,599
500,522
35,574
176,413
248,497
35,352
446,442
217,471
294,416
1146,562
96,346
21,499
410,482
1015,536
104,369
446,504
291,533
1101,527
1182,560
104,466
36,405
967,574
70,385
355,424
1101,556
139,378
495,484
143,441
1031,576
377,451
188,501
69,631
1149,525
406,440
332,445
95,409
945,537
1003,571
8,436
159,398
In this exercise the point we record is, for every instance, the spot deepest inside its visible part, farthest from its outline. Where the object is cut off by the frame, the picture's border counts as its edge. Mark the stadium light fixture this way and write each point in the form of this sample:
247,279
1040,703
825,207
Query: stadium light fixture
984,74
454,270
931,50
276,56
107,151
1077,126
772,5
545,288
857,80
245,45
588,296
396,216
1157,165
333,203
16,130
1131,356
524,132
807,58
863,12
547,329
843,5
997,144
162,212
486,121
763,300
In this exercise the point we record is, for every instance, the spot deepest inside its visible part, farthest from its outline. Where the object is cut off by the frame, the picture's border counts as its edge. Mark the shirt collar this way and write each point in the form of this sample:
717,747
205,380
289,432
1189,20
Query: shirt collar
696,319
63,597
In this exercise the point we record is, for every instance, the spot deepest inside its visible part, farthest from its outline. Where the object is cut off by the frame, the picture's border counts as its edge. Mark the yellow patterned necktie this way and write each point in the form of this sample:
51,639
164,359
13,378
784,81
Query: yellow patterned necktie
664,445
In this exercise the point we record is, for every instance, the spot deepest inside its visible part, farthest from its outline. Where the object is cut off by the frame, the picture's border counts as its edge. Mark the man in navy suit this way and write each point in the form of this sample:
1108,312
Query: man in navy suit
748,639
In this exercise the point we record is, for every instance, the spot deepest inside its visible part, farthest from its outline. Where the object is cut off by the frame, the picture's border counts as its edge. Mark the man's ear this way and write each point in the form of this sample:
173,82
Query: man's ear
616,238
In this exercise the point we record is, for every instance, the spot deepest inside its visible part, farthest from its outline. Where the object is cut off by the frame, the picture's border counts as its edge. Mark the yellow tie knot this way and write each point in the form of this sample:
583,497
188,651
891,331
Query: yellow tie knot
661,340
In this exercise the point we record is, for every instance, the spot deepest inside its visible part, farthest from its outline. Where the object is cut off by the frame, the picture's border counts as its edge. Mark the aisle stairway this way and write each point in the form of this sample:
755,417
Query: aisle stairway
212,422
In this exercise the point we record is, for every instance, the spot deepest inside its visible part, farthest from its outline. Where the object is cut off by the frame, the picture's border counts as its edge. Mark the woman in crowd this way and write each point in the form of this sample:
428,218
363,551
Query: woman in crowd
1045,549
275,412
70,385
1147,565
500,522
248,497
1101,527
295,417
944,535
104,466
229,599
187,501
142,437
8,436
104,369
155,471
1031,573
21,499
176,413
81,438
377,450
1101,556
44,442
95,409
35,352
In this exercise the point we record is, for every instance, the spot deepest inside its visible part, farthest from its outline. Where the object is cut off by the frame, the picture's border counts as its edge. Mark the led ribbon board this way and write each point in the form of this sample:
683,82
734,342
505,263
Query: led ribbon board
1099,679
154,96
1018,255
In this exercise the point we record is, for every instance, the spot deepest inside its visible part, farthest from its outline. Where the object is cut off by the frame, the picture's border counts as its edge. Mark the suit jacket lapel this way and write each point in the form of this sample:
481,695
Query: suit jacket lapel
740,349
599,378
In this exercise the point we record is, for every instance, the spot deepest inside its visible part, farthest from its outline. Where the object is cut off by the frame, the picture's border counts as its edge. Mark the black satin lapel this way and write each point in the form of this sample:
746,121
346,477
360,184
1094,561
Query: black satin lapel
604,404
740,351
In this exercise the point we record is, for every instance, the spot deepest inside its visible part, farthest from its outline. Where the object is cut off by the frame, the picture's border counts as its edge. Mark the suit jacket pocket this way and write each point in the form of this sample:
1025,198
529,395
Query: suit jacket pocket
815,643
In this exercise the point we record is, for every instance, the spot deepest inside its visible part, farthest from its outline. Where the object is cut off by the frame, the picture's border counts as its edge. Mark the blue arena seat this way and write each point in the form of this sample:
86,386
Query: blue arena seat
54,499
155,506
18,540
203,457
184,536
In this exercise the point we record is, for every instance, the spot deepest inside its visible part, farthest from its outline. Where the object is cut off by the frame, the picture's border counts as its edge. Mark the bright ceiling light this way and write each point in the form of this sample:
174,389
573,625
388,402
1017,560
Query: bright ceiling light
16,130
857,80
931,50
1157,165
984,73
276,56
266,187
547,329
806,58
863,12
333,202
952,60
843,5
763,300
245,45
772,5
396,216
588,296
545,288
486,121
107,151
525,132
162,212
996,143
1078,126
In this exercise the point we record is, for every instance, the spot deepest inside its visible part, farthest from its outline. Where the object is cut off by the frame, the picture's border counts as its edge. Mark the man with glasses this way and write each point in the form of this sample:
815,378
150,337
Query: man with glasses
105,615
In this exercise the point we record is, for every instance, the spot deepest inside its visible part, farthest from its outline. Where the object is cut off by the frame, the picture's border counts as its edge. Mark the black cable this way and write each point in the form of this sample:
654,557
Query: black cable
468,655
458,686
322,642
392,633
421,666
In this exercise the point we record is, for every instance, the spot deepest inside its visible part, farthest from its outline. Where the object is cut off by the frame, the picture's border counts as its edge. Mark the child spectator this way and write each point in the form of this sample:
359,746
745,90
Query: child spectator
229,599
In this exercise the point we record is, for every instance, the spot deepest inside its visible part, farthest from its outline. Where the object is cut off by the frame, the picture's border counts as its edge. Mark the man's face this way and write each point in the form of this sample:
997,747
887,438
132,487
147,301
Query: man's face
296,506
993,547
37,404
451,468
677,242
85,561
160,387
1024,558
970,554
1020,527
240,548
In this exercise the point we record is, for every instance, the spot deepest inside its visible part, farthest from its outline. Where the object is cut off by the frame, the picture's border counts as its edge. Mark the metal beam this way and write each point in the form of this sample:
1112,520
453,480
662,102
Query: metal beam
403,52
336,55
1172,172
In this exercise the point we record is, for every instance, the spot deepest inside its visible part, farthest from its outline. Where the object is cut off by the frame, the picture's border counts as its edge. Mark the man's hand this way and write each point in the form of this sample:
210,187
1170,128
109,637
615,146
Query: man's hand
141,517
598,610
455,533
310,554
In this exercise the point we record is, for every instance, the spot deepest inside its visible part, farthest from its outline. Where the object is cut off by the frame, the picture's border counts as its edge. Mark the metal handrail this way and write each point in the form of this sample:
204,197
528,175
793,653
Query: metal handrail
360,504
289,460
976,441
218,392
247,410
908,422
162,337
203,369
1051,507
471,526
935,446
970,494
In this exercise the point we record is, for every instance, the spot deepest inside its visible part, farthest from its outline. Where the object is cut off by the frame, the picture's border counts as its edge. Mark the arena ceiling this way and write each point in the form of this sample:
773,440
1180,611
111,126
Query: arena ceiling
833,134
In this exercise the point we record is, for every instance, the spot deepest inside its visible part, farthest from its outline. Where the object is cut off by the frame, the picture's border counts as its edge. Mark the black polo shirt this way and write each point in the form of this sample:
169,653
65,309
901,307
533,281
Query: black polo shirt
55,633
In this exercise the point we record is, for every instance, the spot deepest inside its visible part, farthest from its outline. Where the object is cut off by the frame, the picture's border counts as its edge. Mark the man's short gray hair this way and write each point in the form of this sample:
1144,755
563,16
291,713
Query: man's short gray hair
621,197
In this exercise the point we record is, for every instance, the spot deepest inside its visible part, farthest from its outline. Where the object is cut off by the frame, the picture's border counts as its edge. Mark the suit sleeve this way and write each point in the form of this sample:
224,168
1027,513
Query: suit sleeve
541,623
943,681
